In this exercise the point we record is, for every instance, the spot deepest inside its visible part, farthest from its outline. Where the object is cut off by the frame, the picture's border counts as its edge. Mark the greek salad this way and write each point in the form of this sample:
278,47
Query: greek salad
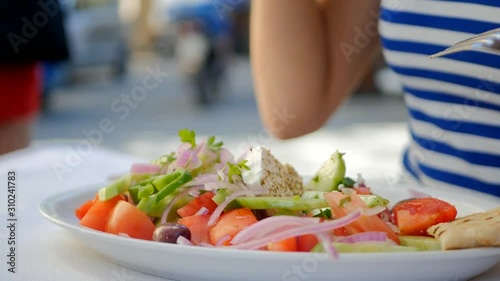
203,195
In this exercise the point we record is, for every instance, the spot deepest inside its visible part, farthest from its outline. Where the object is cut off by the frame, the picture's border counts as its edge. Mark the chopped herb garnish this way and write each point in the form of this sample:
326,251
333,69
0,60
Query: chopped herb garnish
326,213
188,136
212,145
348,182
171,157
316,179
344,200
235,169
165,159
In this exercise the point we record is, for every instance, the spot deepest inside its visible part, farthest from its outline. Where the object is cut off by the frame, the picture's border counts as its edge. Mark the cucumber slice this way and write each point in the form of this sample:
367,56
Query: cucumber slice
370,200
134,193
157,209
121,185
365,247
422,243
281,203
374,200
146,204
330,174
311,194
220,196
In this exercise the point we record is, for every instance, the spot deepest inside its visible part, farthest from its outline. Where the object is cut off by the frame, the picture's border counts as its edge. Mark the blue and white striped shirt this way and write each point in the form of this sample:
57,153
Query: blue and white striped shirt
454,101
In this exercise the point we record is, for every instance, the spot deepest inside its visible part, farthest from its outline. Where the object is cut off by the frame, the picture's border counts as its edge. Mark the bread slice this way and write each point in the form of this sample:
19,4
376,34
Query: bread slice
267,172
476,230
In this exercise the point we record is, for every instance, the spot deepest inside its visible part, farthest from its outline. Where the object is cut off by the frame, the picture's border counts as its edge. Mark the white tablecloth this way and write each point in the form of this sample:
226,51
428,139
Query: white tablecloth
46,252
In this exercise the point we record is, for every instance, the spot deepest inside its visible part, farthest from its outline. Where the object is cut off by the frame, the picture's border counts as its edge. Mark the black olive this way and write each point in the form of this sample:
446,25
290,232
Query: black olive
169,232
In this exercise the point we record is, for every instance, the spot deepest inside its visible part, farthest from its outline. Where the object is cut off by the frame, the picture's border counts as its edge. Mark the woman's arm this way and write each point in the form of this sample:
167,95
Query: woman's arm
307,57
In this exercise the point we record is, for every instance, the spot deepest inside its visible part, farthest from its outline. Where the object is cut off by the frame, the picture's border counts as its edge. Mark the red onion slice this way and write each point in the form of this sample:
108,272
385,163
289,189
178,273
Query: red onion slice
206,155
218,211
222,176
183,147
270,225
373,211
326,241
124,235
144,168
202,211
347,191
222,184
187,159
393,227
181,240
167,210
203,179
360,181
301,230
129,198
369,236
225,156
194,193
223,240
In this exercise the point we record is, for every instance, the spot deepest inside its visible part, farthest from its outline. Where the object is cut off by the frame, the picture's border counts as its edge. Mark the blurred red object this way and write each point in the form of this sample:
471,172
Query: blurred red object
20,90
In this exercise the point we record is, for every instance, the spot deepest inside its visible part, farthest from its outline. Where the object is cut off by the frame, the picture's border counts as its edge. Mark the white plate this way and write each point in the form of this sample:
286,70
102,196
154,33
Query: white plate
197,263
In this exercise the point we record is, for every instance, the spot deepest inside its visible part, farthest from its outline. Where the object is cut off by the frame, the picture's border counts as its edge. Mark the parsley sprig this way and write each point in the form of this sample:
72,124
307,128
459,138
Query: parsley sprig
326,214
236,169
188,136
165,159
348,182
212,145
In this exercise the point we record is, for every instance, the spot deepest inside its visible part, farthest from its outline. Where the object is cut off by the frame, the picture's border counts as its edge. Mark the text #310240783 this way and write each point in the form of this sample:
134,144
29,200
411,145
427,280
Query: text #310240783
11,221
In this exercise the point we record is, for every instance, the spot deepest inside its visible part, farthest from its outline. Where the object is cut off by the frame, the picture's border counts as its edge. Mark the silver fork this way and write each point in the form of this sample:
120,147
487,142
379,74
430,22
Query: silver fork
488,42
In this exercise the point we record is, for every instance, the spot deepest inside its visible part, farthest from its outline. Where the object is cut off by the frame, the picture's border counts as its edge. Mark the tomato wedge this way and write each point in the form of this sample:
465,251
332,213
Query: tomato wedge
198,226
204,200
307,242
362,224
231,223
83,209
97,215
415,216
126,218
285,245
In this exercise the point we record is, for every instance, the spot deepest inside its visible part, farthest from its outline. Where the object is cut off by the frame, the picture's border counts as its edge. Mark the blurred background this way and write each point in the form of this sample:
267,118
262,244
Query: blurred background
155,66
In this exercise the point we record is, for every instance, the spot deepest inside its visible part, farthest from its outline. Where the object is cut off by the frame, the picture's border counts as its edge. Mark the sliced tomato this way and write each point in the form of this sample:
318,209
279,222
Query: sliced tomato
231,223
306,242
198,226
385,215
285,245
414,217
363,223
83,209
126,218
342,231
204,200
97,215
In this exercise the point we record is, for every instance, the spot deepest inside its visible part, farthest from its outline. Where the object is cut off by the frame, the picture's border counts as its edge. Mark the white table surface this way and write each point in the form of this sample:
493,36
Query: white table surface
46,252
